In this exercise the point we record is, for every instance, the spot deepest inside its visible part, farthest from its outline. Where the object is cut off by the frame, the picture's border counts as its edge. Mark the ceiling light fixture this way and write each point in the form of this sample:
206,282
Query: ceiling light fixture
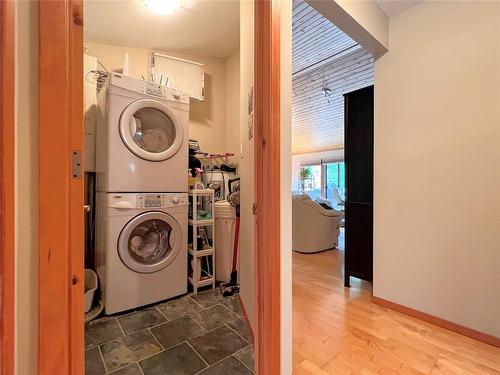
328,93
163,7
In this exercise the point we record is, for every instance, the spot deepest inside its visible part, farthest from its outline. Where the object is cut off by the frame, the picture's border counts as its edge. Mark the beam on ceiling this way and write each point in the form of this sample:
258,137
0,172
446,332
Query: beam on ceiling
328,60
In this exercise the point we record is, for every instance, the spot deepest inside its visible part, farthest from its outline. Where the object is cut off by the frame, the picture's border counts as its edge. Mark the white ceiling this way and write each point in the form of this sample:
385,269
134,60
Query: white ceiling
322,57
392,8
201,27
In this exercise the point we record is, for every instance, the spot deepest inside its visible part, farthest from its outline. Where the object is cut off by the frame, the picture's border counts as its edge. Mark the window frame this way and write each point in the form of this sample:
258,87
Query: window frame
324,174
325,166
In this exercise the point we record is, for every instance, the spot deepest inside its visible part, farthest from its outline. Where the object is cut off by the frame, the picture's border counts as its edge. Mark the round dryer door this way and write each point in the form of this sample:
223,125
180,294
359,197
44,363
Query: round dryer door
151,130
149,242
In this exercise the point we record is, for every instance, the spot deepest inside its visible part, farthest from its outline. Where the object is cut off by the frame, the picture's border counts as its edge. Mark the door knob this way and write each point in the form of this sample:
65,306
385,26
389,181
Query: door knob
86,207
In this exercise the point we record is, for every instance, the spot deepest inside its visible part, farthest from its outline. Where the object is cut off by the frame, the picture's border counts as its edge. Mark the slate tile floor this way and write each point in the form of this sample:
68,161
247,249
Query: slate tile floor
195,334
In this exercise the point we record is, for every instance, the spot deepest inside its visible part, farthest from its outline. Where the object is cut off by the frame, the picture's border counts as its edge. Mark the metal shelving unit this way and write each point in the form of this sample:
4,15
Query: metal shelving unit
201,222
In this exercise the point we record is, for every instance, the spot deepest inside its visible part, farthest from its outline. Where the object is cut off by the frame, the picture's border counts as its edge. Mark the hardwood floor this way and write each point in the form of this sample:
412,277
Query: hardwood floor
340,331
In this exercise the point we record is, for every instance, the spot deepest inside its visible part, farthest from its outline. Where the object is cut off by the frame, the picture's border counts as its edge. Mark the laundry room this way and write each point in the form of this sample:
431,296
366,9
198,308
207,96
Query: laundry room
164,164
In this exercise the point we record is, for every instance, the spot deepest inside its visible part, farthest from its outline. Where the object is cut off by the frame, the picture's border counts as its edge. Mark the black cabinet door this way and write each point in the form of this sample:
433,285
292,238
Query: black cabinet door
358,112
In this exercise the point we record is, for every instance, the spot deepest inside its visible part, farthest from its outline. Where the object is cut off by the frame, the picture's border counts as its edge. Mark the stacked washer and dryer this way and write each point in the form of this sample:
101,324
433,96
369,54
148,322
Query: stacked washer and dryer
141,199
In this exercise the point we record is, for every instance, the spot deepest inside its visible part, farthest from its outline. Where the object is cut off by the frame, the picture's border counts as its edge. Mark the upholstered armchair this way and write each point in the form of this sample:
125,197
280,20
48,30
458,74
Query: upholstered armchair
314,228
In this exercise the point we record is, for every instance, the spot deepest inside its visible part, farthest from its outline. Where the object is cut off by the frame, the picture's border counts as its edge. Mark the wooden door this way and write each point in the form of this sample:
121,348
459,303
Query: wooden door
61,280
358,154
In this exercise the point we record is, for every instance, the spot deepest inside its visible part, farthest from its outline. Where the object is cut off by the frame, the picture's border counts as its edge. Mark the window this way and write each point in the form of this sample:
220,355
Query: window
335,179
316,180
310,180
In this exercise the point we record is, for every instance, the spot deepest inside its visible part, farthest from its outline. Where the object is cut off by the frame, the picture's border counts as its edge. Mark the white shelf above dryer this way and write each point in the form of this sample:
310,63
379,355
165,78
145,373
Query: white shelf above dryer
184,75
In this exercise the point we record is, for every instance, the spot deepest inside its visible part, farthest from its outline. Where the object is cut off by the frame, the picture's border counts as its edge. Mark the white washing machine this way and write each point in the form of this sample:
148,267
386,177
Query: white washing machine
141,248
142,137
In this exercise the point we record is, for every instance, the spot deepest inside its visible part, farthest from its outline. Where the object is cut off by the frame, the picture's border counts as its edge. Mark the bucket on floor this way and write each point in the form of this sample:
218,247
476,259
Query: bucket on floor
225,222
90,288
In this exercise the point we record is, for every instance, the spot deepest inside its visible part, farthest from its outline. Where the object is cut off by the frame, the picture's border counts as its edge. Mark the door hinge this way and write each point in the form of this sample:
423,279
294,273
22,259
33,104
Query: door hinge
255,209
76,164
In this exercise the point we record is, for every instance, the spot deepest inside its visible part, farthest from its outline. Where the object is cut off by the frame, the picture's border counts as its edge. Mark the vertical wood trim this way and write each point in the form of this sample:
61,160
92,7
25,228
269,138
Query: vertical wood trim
7,92
267,184
61,347
54,275
77,223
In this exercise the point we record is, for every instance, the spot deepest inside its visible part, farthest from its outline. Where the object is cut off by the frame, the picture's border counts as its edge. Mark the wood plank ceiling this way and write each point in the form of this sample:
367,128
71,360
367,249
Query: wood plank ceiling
323,59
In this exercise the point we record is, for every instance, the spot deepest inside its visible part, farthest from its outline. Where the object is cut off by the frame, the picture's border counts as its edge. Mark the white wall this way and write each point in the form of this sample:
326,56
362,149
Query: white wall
246,273
437,163
233,130
207,119
312,158
26,189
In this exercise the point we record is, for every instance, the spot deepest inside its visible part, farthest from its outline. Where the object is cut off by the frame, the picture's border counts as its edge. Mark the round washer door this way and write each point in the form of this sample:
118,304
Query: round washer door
151,130
149,242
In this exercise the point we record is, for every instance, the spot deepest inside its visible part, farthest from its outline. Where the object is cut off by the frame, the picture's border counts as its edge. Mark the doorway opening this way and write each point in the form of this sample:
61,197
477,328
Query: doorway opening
328,70
162,155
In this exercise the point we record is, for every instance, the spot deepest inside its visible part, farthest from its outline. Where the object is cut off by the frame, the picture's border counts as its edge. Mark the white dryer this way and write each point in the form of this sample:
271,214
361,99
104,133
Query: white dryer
142,137
141,248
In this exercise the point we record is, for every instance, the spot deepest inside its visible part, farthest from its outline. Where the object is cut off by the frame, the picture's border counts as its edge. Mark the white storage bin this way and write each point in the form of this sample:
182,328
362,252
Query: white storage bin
225,224
90,288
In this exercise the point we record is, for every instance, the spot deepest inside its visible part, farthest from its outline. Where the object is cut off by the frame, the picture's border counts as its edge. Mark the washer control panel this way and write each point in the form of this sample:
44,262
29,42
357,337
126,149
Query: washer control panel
131,201
161,200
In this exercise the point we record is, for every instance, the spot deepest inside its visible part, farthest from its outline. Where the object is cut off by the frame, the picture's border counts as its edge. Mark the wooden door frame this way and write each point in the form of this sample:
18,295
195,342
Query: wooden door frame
267,185
61,280
7,110
61,342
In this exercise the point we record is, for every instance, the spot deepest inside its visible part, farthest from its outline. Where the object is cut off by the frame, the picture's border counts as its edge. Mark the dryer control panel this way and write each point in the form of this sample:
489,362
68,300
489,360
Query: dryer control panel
148,87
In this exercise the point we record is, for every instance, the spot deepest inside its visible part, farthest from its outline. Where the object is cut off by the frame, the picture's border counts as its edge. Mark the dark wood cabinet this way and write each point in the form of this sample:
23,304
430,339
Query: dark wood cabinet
358,153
